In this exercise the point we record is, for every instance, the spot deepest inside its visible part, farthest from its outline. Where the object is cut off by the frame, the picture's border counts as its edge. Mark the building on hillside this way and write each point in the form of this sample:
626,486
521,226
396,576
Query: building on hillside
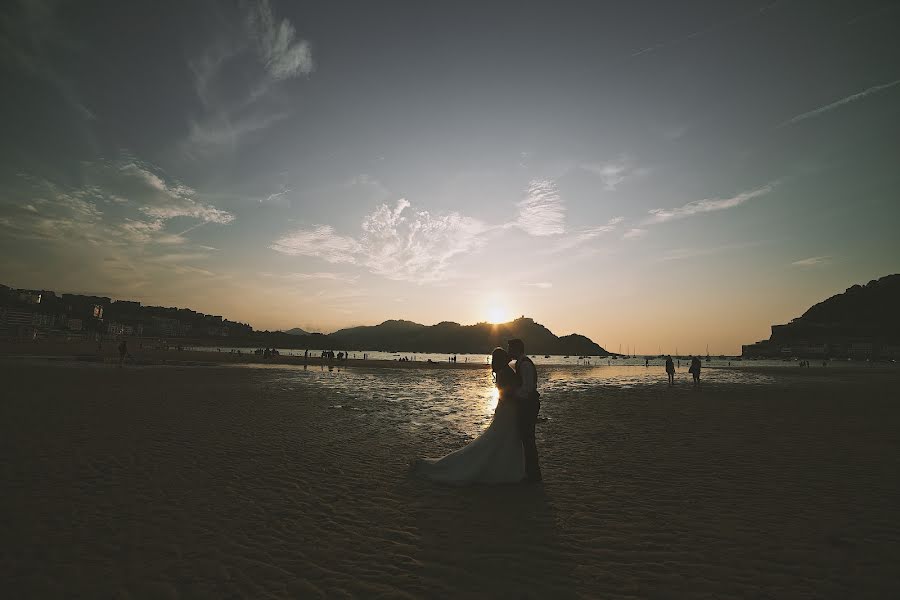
29,296
126,306
165,327
41,321
861,349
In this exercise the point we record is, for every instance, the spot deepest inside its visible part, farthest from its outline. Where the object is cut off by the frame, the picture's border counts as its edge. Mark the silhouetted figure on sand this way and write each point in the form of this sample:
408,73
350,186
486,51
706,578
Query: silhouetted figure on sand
695,369
670,370
123,352
529,404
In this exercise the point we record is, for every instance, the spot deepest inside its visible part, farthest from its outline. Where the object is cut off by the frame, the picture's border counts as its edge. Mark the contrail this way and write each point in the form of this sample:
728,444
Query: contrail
853,98
718,25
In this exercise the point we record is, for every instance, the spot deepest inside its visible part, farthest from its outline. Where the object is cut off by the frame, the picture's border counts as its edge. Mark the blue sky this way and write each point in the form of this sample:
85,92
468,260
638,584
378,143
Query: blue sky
650,174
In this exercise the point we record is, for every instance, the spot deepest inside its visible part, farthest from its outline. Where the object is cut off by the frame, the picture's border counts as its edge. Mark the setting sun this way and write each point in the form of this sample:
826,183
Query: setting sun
497,314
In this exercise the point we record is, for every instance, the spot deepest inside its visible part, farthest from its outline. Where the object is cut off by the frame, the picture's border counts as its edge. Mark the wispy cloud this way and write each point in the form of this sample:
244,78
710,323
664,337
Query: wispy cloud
32,34
686,253
395,243
158,198
116,221
237,78
634,233
614,173
277,196
219,130
320,275
583,236
544,285
139,202
542,212
754,12
284,55
829,107
321,241
813,261
661,215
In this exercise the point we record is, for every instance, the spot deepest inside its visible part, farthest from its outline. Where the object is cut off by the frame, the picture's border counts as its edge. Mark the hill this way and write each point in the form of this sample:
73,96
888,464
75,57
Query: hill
406,336
861,321
296,331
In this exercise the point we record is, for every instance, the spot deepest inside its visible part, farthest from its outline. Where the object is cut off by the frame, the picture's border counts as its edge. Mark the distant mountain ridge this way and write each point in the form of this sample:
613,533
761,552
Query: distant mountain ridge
875,303
447,336
295,331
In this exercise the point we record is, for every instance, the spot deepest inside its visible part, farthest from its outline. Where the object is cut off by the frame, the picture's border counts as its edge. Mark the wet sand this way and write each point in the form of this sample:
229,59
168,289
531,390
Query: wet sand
220,482
108,354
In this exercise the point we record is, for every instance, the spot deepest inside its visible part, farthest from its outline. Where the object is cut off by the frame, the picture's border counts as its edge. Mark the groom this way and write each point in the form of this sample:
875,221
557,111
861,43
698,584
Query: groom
528,403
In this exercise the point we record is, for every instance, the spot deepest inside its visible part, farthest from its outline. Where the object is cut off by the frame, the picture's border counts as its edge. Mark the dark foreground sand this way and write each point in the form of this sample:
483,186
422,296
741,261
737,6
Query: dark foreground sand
199,482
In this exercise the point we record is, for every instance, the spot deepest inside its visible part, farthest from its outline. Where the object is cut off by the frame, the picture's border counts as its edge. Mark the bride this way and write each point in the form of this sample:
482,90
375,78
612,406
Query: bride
496,455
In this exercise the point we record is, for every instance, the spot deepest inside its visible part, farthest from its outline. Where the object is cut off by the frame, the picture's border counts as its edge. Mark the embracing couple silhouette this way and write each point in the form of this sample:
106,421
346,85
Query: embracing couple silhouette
506,451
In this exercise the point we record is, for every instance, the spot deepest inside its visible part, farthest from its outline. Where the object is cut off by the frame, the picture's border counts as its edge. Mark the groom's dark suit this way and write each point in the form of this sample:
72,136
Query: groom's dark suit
529,403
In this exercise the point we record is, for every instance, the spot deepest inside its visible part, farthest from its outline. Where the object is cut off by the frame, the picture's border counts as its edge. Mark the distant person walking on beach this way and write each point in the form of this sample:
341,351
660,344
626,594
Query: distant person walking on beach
695,369
670,370
123,352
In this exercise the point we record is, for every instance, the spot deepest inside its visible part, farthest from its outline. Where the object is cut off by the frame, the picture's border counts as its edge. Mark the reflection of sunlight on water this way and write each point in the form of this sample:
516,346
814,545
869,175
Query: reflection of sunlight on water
493,395
451,401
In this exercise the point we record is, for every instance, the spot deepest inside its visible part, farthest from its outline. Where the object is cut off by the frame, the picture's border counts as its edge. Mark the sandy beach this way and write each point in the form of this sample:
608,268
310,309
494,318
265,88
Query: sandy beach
153,355
186,482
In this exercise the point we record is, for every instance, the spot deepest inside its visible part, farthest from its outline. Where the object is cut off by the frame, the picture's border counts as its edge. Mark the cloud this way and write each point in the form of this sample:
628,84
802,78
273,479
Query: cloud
238,76
321,275
813,261
544,285
32,34
321,241
685,253
829,107
221,130
662,215
113,227
118,203
714,26
395,243
280,194
418,246
614,173
634,233
542,212
582,236
153,195
283,55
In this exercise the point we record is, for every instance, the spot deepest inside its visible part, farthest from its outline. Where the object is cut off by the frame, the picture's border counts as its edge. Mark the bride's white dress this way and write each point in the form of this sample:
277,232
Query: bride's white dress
495,456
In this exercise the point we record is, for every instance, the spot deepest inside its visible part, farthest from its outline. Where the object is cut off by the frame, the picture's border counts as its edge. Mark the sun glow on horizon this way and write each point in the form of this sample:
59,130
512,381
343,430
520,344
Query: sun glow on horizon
498,314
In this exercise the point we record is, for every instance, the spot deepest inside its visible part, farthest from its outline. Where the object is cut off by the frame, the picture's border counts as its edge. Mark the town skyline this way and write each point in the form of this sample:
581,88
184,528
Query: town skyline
245,326
652,175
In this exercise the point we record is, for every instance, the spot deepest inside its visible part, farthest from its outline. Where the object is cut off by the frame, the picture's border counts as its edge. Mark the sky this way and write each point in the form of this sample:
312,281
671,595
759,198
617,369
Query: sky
655,175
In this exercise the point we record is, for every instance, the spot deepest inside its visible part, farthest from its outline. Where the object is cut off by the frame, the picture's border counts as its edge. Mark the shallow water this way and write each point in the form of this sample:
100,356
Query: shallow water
463,401
554,360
